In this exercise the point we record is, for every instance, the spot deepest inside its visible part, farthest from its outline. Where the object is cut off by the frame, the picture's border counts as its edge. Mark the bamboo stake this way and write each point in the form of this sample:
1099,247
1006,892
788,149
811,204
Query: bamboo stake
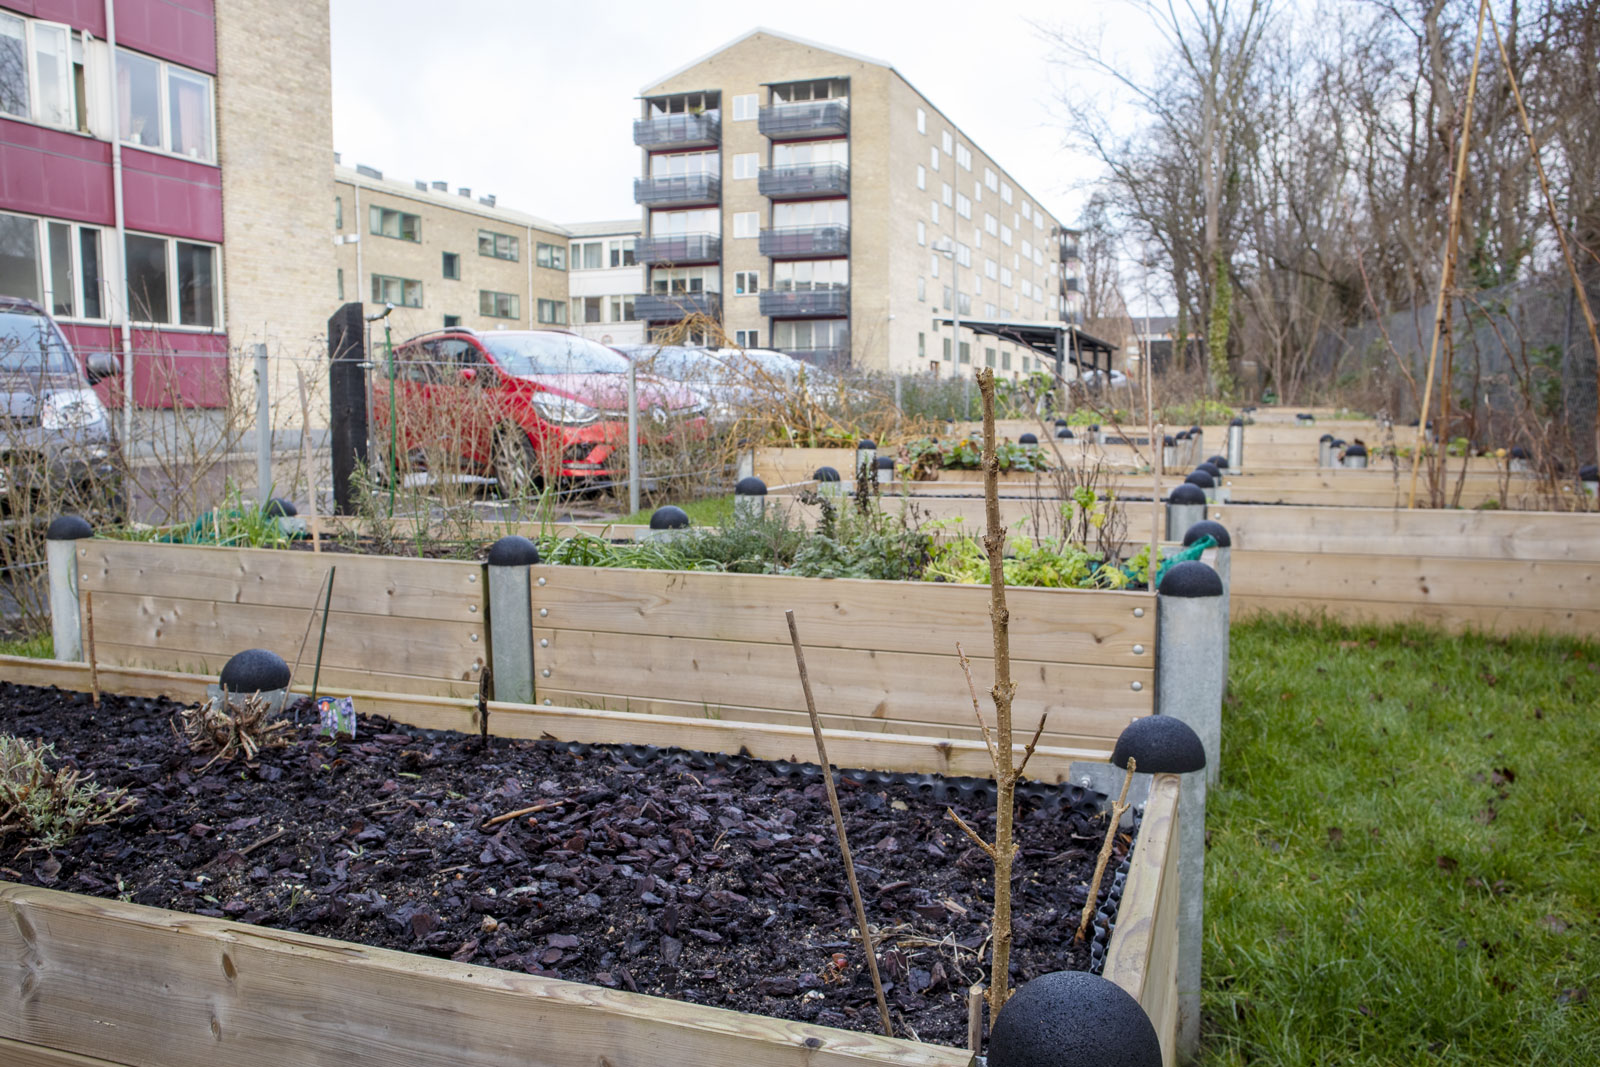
316,673
838,825
311,617
1441,321
305,461
94,664
1550,206
1117,810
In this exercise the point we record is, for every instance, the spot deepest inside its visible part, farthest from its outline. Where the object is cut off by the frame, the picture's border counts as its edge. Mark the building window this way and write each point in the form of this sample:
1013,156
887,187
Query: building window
966,351
922,176
988,358
922,121
172,282
745,106
36,75
588,255
922,345
452,265
977,192
553,257
747,338
1005,235
622,309
746,223
340,274
807,275
963,206
387,222
62,271
991,179
401,292
991,225
588,309
165,107
948,142
963,157
452,321
933,265
933,157
933,211
1005,360
746,164
1005,192
338,213
947,350
746,282
991,269
499,305
621,252
552,312
922,288
497,245
946,194
1005,276
810,336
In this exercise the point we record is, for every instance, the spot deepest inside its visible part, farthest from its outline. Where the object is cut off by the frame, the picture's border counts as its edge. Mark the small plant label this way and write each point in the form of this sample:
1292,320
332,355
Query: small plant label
337,715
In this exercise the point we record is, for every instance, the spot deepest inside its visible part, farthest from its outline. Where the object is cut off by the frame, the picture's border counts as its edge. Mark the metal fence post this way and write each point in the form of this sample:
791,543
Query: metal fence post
633,438
511,618
263,428
61,556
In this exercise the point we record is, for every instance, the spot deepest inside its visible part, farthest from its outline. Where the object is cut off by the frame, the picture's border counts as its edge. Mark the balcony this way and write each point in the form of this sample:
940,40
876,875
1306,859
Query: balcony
805,303
1069,250
833,357
680,248
671,307
679,131
804,242
1071,285
817,118
801,180
681,190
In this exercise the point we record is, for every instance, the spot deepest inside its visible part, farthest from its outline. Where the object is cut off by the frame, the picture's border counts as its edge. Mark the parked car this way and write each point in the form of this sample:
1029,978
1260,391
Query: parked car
1097,378
525,407
733,381
56,439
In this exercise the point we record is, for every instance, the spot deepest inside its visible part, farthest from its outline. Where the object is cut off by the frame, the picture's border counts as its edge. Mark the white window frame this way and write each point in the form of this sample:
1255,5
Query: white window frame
45,265
746,283
991,179
750,108
1005,192
963,206
946,194
747,338
933,158
933,210
922,121
922,232
963,157
172,284
746,165
746,221
947,142
164,91
922,176
30,58
375,275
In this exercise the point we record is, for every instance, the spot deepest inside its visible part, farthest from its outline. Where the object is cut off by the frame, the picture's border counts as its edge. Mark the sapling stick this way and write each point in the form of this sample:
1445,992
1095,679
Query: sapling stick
311,617
305,460
1105,851
838,825
94,662
975,1018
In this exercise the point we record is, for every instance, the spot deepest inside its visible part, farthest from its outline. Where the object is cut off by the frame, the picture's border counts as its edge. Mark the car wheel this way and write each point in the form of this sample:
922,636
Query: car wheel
516,463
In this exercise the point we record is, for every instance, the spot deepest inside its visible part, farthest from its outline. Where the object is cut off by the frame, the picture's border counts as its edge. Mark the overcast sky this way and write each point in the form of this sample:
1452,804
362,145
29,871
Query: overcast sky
533,100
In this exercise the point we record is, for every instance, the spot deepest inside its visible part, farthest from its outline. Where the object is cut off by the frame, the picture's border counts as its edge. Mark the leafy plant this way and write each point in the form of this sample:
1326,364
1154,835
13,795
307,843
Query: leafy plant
46,807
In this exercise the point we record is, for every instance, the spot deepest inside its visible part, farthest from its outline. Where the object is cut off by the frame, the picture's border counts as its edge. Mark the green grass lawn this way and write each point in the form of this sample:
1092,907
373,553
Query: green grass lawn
1404,860
39,646
712,511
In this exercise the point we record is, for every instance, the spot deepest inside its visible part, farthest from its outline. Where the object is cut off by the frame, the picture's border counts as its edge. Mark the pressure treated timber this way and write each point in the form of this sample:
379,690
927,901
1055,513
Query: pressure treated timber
17,1054
147,987
1142,957
1494,535
1417,580
1455,617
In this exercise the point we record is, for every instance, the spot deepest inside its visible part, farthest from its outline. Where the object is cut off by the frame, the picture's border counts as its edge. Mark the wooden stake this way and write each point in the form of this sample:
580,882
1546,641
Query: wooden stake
94,667
1105,851
305,461
838,825
316,673
975,1018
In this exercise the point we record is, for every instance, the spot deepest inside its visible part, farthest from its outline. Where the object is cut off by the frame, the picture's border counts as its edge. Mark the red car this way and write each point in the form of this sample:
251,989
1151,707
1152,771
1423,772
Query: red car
525,406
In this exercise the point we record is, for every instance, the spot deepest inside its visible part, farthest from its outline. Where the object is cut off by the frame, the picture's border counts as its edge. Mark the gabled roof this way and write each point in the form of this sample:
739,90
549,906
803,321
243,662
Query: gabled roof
770,33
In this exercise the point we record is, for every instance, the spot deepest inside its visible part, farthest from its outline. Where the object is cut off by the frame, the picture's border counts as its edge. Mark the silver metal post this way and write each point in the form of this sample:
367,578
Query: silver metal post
509,589
633,438
1236,447
264,428
66,620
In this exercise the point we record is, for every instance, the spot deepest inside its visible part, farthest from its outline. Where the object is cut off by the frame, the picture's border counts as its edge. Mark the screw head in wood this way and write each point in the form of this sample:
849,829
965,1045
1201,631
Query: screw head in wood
544,642
1136,686
543,612
474,637
541,581
1138,613
1138,650
545,672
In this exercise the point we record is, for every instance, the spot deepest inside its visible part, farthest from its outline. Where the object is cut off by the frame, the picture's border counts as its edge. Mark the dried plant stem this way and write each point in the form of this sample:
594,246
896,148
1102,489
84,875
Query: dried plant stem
1117,811
88,641
305,460
838,825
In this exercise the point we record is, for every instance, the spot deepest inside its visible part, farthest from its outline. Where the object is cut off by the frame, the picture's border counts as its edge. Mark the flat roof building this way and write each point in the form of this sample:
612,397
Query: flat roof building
604,280
812,200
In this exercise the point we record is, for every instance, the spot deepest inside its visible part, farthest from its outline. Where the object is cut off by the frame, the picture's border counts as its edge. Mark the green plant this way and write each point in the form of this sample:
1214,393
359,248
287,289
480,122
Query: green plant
930,454
34,646
46,807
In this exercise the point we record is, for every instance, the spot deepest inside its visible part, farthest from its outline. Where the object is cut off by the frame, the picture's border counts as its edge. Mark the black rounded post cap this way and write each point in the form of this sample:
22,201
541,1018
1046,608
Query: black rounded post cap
1326,437
1338,442
1211,469
279,508
824,474
1182,435
1187,493
1591,473
865,443
669,518
1028,439
1195,431
1061,422
1064,433
255,670
1073,1017
1207,528
1169,440
1094,427
1219,462
1160,744
513,551
68,528
1357,449
1519,452
751,486
884,463
1190,578
1304,415
1236,421
1202,479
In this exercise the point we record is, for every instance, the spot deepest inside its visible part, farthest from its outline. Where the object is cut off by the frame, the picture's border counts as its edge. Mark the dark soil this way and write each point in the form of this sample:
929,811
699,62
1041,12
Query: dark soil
709,879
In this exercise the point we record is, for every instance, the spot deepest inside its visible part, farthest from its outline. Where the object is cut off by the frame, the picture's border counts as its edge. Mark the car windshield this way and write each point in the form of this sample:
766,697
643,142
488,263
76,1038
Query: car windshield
524,355
30,343
677,362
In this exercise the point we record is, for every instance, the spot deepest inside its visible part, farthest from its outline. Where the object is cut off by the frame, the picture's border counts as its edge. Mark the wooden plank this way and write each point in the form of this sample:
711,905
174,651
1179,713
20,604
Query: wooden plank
1098,701
1142,957
1511,535
1056,625
367,585
379,645
1454,617
155,988
1543,585
333,679
872,751
17,1054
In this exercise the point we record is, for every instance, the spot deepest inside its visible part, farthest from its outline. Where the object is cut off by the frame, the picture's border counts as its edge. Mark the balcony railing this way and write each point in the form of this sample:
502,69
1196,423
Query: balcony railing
828,357
817,118
800,242
671,307
805,303
804,179
679,190
1069,250
679,131
1072,285
678,248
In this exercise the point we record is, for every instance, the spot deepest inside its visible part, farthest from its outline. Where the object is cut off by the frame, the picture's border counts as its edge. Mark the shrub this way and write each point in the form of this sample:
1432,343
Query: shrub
45,807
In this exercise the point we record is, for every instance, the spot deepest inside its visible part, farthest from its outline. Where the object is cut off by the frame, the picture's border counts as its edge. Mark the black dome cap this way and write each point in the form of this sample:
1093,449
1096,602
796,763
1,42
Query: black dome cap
1236,421
1591,473
751,486
1220,462
825,474
1064,433
1028,439
1207,528
1190,578
278,507
68,528
1326,437
866,442
884,463
1169,440
1160,744
1211,469
1187,493
255,670
513,551
669,518
1202,479
1519,452
1073,1017
1357,449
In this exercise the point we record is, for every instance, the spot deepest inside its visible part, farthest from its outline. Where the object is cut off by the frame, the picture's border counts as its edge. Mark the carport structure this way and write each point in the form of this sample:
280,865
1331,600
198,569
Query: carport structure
1059,342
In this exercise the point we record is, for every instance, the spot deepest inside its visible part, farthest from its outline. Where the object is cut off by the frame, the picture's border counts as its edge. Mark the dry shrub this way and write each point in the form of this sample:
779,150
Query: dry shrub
48,807
228,729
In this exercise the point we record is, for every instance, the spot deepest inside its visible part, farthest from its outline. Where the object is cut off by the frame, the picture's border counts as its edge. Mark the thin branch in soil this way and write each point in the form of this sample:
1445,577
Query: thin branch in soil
1117,810
838,824
543,805
94,660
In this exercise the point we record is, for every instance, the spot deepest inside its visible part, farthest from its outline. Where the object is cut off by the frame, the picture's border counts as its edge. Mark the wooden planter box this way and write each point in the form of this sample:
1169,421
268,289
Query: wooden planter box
100,983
